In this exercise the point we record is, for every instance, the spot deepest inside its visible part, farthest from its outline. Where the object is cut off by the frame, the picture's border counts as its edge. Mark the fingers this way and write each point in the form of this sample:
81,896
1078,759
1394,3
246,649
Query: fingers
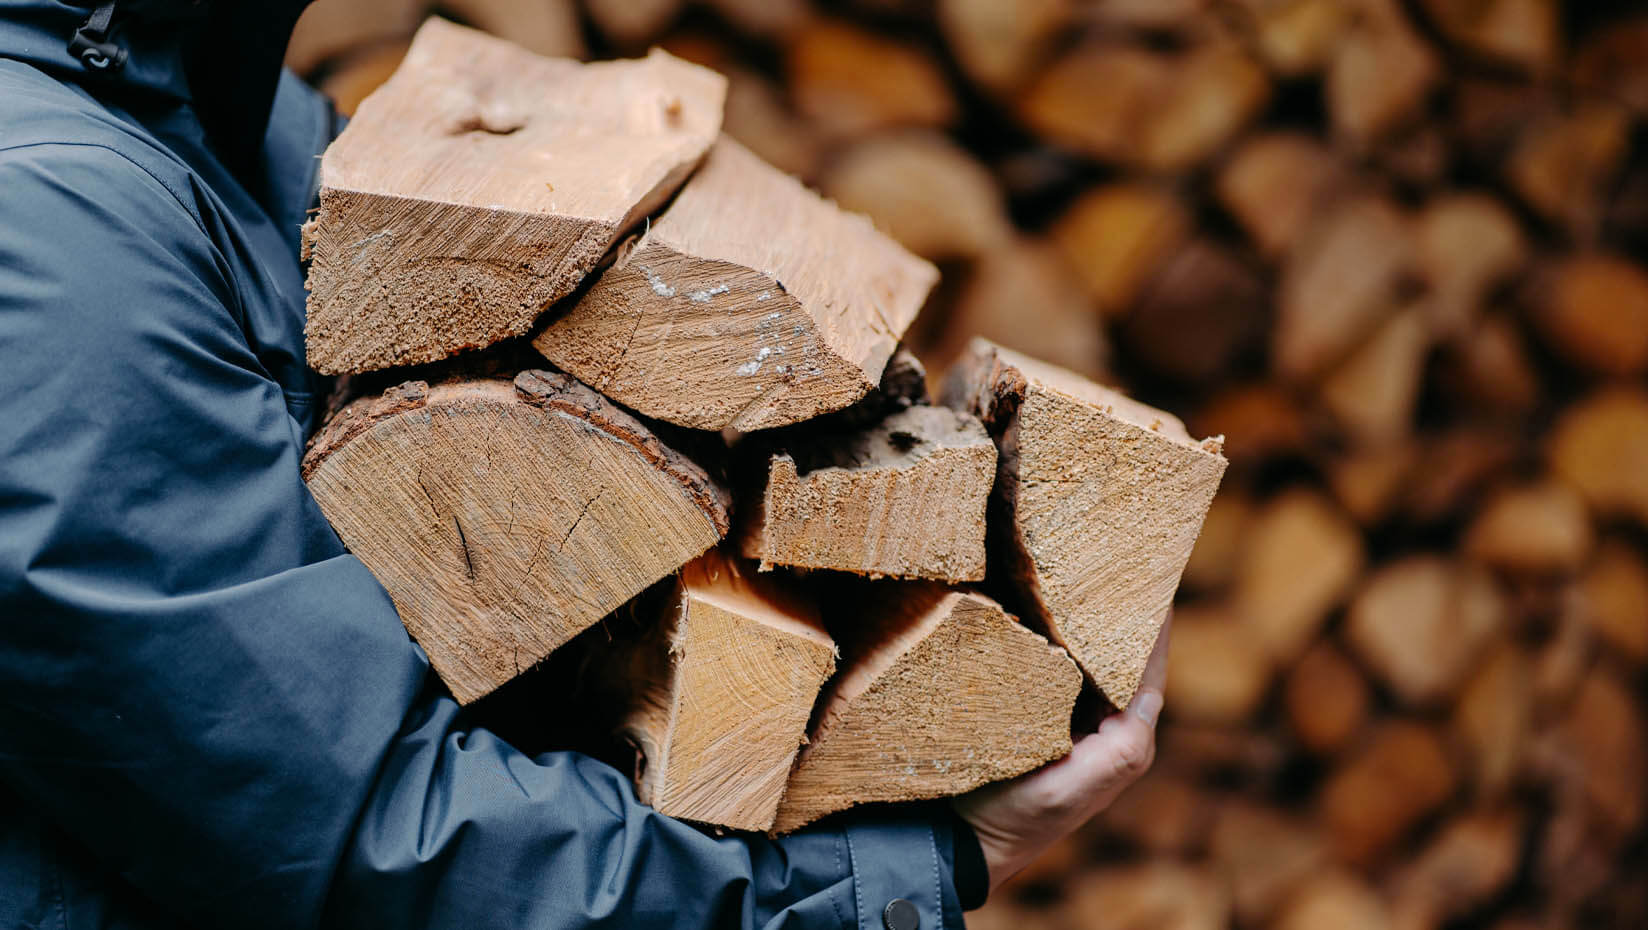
1147,700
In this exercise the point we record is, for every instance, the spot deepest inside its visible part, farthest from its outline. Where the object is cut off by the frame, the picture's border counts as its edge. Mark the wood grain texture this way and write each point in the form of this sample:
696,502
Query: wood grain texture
722,697
905,498
504,518
483,182
751,303
941,691
1099,500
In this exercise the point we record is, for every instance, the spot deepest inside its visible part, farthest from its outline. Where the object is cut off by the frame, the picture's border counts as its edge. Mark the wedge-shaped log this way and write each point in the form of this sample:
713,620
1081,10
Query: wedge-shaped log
504,518
721,691
941,691
1098,502
905,498
750,303
481,183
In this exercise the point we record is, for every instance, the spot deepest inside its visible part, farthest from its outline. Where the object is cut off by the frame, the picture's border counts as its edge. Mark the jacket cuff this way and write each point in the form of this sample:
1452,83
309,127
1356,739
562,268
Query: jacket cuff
972,872
906,864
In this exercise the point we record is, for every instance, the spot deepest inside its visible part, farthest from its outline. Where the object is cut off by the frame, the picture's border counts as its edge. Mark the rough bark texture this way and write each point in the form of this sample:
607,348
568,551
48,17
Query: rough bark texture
905,498
1099,500
750,303
504,518
941,691
465,197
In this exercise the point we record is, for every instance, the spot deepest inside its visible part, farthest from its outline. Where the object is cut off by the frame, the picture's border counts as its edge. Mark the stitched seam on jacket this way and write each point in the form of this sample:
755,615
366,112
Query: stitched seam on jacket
834,904
938,884
858,887
199,224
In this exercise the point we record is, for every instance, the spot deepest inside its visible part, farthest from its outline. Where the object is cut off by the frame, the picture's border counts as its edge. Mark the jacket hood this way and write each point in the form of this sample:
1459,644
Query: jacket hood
222,55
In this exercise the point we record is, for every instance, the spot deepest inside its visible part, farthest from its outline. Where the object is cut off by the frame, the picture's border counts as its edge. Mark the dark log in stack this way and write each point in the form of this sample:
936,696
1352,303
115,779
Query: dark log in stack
1392,252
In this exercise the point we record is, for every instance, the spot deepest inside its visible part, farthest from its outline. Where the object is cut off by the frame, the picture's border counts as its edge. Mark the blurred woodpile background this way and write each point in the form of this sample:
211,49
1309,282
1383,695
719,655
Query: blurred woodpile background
1394,251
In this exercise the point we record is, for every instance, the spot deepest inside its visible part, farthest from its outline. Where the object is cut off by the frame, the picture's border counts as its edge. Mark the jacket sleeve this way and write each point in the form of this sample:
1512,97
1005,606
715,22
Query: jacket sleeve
202,687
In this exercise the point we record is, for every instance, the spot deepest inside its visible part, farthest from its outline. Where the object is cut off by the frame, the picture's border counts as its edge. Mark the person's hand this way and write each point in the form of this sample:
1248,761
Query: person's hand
1015,820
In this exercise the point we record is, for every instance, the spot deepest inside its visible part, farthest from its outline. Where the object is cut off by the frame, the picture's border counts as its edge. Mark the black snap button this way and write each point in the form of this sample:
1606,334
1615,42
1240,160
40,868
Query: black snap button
901,915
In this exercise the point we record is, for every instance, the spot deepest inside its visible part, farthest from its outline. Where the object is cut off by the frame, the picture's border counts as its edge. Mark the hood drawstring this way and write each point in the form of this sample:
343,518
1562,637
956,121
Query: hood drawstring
91,45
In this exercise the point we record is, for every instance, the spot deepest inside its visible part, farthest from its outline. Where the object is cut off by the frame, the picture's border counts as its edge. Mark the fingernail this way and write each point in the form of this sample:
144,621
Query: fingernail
1147,706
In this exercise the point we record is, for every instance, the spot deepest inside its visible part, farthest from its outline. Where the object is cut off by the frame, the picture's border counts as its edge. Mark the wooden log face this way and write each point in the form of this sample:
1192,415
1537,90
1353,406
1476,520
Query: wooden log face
904,499
941,693
1101,499
504,519
751,303
464,197
724,720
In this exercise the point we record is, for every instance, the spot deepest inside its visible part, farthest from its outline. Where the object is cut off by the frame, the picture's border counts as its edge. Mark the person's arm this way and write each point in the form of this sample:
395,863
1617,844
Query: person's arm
201,686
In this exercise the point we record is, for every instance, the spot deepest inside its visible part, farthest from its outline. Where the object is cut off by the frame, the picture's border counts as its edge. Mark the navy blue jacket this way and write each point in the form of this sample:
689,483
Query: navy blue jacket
209,711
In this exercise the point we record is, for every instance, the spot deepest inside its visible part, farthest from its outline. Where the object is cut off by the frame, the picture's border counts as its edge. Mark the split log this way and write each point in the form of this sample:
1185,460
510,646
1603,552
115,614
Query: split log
1165,112
1600,748
1371,803
1266,855
1260,421
771,19
1524,33
1336,899
751,303
940,692
1326,699
1164,814
1117,236
999,44
1465,245
1611,598
1373,391
1600,446
1216,671
904,499
633,23
1301,558
1275,183
1342,276
759,117
1154,895
1421,622
1594,310
1381,74
331,29
1613,62
1564,659
1491,367
1213,560
721,690
1026,297
1492,718
1563,164
1099,499
1539,529
503,519
543,27
1369,481
361,73
1296,37
1453,469
1203,312
850,81
497,198
923,190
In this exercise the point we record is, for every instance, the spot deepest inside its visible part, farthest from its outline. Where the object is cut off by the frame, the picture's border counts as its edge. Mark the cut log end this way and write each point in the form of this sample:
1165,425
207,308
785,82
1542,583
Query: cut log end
487,207
905,498
737,663
1100,499
503,519
942,692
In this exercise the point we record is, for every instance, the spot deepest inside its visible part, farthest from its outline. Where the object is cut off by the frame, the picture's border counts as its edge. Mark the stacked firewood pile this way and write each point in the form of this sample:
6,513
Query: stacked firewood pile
1391,251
